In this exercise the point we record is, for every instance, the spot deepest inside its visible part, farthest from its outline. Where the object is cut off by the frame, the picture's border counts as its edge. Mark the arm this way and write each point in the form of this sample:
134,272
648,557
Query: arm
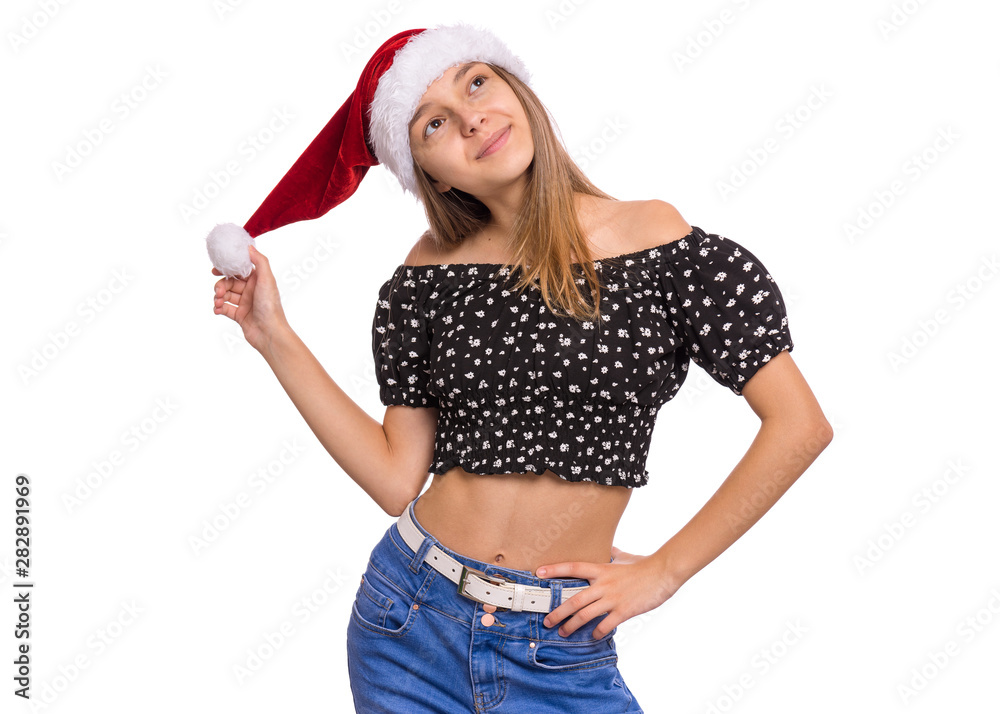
389,460
793,432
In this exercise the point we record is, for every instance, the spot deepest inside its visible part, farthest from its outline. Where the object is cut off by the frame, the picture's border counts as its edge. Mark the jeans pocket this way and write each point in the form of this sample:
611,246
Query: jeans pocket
568,655
381,606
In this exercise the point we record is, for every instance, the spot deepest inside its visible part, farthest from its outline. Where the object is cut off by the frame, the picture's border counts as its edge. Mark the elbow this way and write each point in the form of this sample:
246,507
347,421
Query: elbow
810,430
395,511
394,507
394,503
824,432
816,435
809,435
401,500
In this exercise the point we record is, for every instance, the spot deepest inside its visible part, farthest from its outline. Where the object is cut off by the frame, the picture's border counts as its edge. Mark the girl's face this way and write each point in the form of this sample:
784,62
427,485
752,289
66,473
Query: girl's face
470,132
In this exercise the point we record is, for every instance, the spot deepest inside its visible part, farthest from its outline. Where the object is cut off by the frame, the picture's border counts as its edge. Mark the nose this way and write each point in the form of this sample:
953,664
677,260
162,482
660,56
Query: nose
473,120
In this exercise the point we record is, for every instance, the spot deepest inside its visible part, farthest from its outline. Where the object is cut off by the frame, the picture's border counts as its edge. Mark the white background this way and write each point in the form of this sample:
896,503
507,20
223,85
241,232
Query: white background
874,559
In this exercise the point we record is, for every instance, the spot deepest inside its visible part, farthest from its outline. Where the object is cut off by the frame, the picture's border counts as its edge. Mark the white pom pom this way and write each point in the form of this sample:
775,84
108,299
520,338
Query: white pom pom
229,250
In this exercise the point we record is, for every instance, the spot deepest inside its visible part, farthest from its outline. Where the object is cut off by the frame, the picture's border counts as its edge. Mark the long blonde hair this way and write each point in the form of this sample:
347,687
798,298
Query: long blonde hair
547,226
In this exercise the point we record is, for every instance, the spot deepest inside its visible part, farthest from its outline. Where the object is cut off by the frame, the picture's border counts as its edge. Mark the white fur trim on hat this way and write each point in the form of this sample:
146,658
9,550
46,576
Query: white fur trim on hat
414,68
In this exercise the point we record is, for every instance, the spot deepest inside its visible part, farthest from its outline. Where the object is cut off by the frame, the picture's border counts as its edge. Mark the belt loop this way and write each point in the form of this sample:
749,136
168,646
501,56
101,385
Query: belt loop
556,587
517,604
418,558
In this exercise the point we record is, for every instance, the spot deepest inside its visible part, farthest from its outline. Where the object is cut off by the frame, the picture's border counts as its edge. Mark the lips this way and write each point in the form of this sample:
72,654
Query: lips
494,142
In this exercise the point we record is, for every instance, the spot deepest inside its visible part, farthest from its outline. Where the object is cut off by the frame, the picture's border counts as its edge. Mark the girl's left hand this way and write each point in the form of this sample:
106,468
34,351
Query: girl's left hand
629,586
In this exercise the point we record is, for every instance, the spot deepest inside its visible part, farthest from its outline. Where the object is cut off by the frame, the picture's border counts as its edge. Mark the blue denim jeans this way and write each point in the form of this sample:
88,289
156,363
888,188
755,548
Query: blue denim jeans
414,644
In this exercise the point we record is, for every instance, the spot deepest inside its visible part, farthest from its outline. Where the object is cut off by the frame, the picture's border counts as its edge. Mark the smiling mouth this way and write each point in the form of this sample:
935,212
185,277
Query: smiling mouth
496,144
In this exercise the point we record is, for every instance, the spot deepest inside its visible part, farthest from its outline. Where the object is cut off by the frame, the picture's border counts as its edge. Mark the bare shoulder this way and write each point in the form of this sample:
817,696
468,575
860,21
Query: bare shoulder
424,251
653,222
619,227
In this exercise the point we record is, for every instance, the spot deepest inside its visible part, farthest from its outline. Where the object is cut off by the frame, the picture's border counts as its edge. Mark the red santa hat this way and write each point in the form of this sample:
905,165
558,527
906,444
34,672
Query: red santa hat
372,125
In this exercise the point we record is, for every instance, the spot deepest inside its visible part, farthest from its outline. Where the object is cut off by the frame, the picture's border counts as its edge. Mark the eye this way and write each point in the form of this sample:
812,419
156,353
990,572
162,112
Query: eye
433,123
477,82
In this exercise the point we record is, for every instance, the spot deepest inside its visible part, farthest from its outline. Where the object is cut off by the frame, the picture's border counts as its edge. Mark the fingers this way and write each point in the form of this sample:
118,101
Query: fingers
228,293
225,308
222,295
260,261
584,607
564,610
228,287
566,570
225,297
581,618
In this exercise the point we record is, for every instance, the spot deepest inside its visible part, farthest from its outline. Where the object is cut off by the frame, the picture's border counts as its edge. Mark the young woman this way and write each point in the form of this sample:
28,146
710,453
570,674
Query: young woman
523,348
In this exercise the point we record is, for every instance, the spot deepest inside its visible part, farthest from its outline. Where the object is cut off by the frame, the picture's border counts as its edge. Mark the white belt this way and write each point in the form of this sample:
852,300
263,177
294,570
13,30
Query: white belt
476,585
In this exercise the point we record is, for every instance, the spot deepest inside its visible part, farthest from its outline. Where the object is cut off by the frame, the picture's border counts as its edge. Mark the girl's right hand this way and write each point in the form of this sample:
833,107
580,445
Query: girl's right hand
253,302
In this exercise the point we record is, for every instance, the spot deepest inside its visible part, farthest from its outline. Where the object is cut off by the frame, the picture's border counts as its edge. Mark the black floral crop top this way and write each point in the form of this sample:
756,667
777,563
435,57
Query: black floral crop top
520,390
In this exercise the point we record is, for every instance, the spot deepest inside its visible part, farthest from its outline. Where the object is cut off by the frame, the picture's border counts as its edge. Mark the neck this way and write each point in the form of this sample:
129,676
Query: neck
504,205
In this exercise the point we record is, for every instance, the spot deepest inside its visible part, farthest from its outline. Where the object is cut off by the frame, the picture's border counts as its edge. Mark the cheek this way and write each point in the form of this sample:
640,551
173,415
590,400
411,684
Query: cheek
527,147
423,160
430,163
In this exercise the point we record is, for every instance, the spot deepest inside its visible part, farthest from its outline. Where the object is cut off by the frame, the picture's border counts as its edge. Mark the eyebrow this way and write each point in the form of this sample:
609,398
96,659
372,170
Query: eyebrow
423,107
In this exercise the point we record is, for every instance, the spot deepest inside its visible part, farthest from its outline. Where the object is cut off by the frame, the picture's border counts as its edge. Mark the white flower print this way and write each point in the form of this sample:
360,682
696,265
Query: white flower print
519,390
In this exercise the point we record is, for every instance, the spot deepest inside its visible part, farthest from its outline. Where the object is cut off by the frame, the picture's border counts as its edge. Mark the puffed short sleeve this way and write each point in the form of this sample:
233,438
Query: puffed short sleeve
401,341
726,307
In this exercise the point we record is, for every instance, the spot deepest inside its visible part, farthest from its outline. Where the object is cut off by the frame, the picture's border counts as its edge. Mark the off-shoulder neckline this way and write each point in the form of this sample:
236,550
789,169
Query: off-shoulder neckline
611,258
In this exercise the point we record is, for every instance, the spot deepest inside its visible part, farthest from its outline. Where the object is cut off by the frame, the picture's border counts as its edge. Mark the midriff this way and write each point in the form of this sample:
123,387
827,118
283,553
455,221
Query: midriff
522,521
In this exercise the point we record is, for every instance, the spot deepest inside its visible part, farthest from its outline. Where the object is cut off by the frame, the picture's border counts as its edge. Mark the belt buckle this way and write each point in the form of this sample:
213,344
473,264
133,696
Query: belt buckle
494,579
